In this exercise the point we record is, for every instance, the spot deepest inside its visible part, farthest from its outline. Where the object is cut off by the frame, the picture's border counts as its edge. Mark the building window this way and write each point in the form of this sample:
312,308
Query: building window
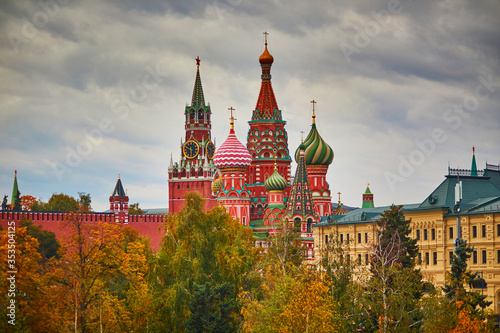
418,234
326,239
474,231
498,256
347,238
366,236
498,230
359,238
484,257
451,232
474,257
434,258
359,259
484,230
427,258
420,258
433,234
425,234
366,257
341,238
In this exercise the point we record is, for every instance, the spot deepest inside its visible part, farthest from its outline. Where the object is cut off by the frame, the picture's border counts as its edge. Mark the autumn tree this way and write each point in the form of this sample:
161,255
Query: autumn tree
27,201
57,203
199,248
394,287
84,201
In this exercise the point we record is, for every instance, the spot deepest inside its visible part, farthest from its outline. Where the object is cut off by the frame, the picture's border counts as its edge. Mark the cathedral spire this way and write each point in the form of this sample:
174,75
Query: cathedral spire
198,100
266,107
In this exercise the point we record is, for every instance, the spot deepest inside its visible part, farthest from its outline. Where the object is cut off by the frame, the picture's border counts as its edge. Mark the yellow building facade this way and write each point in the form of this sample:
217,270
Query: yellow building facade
434,225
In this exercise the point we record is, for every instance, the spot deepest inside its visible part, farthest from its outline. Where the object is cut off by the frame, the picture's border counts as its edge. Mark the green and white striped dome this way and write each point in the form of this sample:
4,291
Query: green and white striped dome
275,182
317,151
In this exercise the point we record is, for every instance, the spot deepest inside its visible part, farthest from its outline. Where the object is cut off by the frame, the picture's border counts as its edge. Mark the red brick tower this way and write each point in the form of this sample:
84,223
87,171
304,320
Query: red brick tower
267,137
118,203
195,171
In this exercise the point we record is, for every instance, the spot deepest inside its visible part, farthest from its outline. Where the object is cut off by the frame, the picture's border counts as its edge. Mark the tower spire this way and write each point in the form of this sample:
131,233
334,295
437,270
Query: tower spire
15,190
473,169
198,100
266,107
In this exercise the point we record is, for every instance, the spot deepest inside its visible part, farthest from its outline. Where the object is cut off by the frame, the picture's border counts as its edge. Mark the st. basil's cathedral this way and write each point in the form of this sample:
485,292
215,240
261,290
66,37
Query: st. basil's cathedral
254,182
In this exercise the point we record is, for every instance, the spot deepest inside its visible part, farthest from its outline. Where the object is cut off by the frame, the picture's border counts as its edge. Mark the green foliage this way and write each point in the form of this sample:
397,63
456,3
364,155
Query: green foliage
212,309
394,287
84,201
48,244
63,203
198,248
133,209
17,202
393,225
5,205
454,288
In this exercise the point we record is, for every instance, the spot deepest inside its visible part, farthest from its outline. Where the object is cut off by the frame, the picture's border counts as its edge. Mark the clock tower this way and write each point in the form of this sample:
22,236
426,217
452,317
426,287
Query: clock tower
195,170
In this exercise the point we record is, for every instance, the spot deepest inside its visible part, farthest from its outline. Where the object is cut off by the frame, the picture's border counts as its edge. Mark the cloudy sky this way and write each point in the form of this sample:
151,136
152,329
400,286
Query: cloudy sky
93,89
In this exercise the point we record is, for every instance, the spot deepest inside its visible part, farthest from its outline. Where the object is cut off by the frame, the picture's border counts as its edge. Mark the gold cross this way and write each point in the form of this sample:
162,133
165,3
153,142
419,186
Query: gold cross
265,35
301,136
339,195
314,115
232,118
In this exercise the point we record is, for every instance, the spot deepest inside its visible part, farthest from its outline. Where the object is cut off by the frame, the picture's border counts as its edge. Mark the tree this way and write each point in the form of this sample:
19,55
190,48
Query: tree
48,245
134,209
393,224
27,201
454,288
17,207
62,203
299,301
199,248
5,205
84,202
394,287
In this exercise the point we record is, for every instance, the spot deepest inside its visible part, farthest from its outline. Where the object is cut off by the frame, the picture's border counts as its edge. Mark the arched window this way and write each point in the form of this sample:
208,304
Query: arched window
309,225
259,209
200,116
296,224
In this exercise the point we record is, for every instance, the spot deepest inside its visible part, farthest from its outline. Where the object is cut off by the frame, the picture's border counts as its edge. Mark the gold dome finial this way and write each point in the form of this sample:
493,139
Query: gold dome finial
314,115
232,117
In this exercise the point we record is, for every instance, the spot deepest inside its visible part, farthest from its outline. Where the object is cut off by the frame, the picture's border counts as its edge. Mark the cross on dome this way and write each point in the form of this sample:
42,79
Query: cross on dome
232,117
314,115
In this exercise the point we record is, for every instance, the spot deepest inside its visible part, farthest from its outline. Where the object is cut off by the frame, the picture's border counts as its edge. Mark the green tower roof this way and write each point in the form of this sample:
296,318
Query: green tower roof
473,168
300,199
15,189
198,100
275,182
317,151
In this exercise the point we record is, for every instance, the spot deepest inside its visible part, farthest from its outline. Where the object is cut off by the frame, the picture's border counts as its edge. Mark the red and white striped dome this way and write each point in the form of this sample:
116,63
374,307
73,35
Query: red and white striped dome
232,154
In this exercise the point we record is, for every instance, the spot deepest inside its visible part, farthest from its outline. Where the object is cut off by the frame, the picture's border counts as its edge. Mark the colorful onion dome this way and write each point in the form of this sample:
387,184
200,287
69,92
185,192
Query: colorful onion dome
266,58
317,151
216,185
232,154
275,182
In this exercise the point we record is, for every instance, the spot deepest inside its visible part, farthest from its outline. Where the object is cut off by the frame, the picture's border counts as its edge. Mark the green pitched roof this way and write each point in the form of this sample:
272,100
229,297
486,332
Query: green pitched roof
473,168
15,190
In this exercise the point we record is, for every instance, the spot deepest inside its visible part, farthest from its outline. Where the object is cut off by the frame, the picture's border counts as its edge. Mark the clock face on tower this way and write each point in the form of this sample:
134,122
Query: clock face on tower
191,149
210,148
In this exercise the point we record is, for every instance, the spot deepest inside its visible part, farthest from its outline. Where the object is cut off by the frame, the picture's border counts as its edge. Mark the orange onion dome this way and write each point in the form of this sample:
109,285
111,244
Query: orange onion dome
266,58
216,185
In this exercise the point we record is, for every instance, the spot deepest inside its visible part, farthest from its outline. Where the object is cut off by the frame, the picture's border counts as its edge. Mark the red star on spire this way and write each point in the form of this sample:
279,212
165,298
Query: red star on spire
197,61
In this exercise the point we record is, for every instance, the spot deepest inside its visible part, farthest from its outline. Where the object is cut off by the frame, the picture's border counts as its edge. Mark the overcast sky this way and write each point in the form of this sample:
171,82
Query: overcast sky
93,89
